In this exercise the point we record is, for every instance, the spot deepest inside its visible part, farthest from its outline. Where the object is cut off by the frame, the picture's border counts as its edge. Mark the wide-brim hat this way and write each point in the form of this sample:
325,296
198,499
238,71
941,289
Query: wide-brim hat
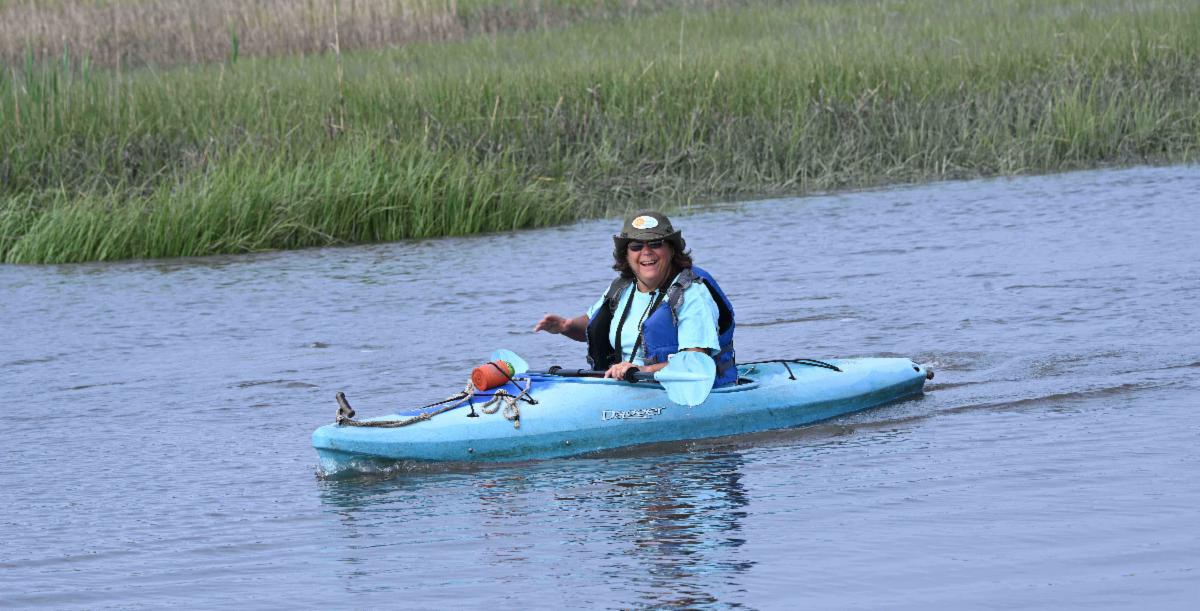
647,225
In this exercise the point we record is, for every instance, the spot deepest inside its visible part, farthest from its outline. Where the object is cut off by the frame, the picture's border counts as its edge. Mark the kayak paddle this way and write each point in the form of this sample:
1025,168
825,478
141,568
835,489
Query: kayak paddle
510,357
687,378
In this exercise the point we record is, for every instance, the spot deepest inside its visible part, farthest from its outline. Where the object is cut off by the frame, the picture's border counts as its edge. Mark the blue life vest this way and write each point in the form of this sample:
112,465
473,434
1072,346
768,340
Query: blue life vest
660,332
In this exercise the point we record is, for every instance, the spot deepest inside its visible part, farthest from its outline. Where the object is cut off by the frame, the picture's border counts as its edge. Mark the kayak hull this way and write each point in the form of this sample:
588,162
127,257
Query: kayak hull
580,415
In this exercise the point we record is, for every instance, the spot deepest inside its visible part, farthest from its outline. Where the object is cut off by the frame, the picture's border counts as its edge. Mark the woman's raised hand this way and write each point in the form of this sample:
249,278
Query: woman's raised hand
574,328
551,323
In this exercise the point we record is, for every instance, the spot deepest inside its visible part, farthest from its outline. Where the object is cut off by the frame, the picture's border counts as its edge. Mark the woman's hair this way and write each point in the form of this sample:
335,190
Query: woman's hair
681,259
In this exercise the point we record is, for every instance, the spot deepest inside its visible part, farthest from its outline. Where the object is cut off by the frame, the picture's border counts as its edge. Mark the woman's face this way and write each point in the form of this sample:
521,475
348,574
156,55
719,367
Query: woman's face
651,264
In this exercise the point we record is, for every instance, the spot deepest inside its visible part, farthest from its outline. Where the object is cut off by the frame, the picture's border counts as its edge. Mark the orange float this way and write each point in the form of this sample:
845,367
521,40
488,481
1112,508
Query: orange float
493,374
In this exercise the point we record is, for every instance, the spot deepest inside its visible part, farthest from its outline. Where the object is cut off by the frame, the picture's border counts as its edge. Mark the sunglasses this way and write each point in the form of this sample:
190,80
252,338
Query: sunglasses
652,244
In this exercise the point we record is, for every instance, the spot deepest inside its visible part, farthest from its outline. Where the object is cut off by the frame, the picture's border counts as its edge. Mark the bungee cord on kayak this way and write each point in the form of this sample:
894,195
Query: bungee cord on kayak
512,411
480,381
785,363
504,372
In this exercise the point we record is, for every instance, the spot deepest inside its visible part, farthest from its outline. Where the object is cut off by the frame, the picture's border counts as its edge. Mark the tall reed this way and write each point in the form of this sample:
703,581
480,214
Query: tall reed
168,32
538,127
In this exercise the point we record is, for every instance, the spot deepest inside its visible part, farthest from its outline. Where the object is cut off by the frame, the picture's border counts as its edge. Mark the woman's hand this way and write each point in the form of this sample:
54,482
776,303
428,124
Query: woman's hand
551,323
618,371
574,328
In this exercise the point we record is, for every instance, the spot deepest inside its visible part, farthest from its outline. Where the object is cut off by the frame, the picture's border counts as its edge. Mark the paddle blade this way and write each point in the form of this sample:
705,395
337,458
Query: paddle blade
518,363
688,377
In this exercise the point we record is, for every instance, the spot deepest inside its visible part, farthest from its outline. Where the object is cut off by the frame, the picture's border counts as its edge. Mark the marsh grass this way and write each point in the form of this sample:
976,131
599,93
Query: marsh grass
251,203
528,129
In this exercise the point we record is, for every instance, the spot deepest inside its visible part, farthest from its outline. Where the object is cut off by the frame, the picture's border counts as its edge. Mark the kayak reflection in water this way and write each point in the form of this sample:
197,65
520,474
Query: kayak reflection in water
659,304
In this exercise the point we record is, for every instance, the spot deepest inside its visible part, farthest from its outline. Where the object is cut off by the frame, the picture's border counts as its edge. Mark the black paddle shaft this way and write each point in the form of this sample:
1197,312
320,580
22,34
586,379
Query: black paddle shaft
630,376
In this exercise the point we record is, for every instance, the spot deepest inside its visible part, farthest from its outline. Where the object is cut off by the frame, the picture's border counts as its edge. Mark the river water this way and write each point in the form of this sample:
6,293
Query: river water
157,417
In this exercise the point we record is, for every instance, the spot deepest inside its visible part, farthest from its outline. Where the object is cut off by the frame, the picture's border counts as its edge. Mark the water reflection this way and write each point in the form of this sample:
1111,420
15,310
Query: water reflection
684,527
662,531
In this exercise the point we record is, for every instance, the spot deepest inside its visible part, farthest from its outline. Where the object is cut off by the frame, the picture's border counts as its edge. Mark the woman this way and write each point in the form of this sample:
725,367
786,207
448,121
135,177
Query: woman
659,304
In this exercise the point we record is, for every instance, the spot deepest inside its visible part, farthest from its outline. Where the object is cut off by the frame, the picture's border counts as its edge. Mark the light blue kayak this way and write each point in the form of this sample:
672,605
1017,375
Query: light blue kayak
554,415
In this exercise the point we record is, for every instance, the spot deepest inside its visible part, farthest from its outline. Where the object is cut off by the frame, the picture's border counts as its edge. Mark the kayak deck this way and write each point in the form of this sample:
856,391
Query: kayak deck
567,416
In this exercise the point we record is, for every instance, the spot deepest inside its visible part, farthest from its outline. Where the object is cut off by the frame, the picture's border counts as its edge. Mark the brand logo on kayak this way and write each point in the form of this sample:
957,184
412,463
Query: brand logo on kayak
644,222
649,412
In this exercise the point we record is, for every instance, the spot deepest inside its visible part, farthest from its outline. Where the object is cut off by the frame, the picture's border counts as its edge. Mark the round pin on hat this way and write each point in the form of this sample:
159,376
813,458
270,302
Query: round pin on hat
646,225
644,222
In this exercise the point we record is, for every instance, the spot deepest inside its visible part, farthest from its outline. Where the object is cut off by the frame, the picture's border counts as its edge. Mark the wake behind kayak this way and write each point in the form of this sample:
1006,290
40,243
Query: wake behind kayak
539,415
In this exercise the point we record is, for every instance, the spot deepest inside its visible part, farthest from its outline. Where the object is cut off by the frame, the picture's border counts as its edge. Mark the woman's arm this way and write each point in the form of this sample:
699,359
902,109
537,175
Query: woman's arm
574,328
618,370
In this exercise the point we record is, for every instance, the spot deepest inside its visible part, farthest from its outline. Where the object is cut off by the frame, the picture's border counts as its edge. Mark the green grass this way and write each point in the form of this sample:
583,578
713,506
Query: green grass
537,128
249,203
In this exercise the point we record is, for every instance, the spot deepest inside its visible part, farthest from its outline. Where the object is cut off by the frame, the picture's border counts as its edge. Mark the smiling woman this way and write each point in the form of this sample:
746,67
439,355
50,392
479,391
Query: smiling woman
681,306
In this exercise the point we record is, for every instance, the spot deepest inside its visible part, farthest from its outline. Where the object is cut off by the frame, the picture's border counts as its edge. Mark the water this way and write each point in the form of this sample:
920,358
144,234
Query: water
158,417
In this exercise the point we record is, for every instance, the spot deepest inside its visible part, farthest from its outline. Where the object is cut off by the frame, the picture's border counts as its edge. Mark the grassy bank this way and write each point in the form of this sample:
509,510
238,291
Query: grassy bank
539,127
